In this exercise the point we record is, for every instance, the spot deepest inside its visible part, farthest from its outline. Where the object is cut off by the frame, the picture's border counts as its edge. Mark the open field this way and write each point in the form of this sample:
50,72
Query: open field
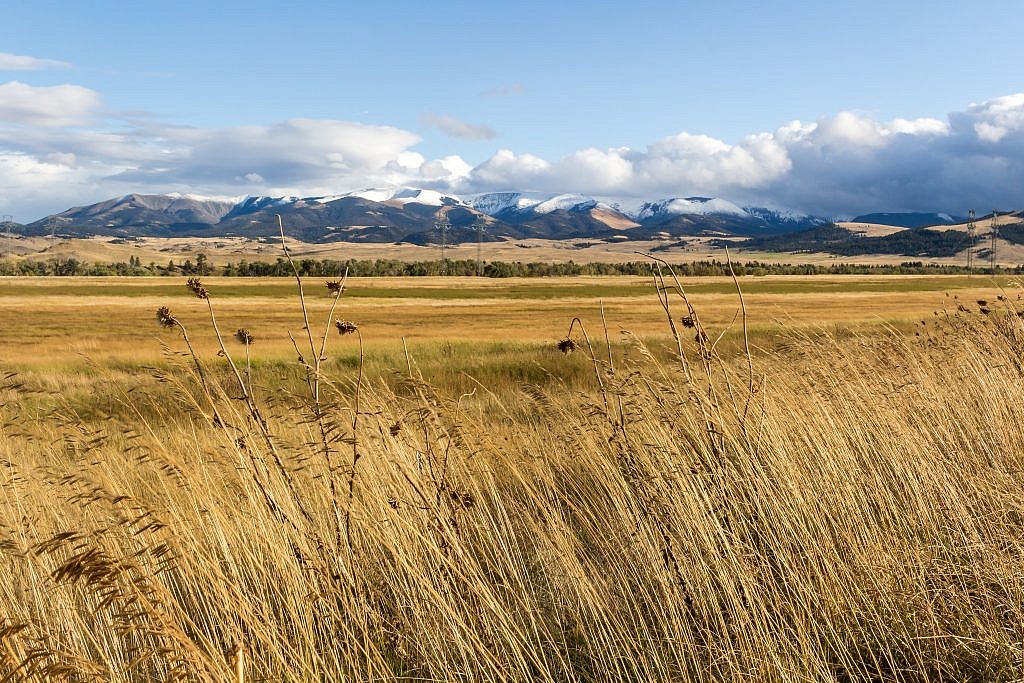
233,249
468,503
67,322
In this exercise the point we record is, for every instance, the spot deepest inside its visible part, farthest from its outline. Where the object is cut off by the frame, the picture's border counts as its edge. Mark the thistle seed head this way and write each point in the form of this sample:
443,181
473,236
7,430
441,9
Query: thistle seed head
196,287
243,336
567,346
334,287
164,317
345,326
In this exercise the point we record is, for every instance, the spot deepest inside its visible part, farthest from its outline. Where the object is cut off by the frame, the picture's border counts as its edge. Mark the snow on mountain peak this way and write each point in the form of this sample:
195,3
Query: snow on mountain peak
566,202
373,194
411,195
493,203
689,206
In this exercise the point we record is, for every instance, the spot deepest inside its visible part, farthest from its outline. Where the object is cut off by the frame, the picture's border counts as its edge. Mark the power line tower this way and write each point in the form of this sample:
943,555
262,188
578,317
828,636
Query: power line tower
971,228
442,227
993,234
8,223
479,248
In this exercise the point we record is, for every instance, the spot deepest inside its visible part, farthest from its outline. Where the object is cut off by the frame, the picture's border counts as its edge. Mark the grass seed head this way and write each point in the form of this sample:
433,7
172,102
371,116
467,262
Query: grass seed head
345,326
567,346
196,287
164,317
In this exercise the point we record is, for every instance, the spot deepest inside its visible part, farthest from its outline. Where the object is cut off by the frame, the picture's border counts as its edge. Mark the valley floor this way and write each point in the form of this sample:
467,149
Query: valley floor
220,251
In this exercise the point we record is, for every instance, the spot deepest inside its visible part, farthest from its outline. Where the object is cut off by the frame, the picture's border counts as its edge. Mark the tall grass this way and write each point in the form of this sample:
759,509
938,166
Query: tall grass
847,507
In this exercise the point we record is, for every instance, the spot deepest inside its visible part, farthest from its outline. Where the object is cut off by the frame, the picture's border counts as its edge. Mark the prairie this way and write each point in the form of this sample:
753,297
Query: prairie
817,481
69,322
233,249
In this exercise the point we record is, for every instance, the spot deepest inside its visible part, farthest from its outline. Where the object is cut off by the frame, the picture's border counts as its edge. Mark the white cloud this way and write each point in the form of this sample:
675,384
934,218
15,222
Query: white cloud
456,128
918,127
507,170
997,118
50,106
843,164
57,148
11,62
292,153
450,169
28,184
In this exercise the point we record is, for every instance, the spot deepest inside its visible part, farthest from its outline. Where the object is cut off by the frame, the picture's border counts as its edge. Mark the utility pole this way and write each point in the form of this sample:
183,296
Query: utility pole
994,233
970,238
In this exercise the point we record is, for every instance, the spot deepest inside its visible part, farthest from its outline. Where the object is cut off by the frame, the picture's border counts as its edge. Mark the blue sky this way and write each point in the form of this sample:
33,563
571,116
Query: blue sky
542,81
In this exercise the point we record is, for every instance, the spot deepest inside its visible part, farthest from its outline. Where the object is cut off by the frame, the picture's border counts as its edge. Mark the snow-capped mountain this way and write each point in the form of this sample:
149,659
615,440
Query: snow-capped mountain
401,213
498,203
690,206
401,195
785,221
410,195
252,204
565,202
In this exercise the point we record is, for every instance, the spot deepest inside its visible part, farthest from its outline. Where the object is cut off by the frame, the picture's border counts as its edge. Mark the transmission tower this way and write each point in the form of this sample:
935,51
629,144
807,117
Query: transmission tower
8,223
479,248
970,238
993,234
442,227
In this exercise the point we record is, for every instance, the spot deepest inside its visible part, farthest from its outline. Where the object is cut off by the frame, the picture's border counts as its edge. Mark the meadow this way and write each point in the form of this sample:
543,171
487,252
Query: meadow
586,479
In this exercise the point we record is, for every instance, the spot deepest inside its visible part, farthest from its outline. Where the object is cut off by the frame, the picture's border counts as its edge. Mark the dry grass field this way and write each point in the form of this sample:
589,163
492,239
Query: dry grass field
827,488
233,249
66,322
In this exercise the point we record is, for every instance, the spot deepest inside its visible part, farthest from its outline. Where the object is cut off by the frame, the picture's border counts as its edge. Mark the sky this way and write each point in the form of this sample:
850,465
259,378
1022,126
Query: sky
832,108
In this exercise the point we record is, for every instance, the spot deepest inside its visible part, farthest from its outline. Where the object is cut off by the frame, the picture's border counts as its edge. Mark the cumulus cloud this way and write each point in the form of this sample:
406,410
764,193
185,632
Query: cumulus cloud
456,128
676,164
54,157
998,118
11,62
843,164
58,148
56,105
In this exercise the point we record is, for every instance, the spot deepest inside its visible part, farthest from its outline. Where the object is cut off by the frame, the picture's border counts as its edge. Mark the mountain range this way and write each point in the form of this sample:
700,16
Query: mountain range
413,215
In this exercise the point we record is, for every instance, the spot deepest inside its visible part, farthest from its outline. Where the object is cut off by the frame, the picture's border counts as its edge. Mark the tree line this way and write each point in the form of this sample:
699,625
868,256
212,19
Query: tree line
202,266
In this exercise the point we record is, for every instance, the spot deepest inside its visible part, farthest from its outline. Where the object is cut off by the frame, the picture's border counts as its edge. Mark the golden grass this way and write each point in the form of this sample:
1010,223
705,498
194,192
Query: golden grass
67,323
847,506
222,250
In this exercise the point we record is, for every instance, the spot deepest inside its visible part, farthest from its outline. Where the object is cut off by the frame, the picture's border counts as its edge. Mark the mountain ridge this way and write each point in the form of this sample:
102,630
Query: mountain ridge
416,214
